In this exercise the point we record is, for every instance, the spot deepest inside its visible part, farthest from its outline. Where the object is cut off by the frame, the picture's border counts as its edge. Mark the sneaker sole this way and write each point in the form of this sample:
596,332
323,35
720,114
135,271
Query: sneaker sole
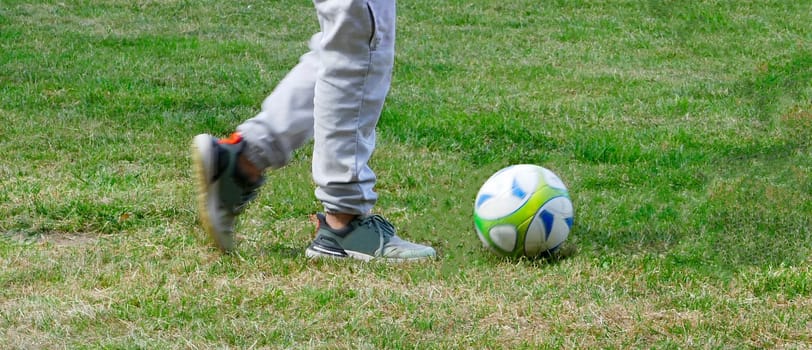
201,146
312,253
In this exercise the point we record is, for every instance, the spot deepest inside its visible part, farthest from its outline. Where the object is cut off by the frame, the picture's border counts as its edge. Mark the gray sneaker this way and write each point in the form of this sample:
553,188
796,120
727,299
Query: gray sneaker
221,194
365,238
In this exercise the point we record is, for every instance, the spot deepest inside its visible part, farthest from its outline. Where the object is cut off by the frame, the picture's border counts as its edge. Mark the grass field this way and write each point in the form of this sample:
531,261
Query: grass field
682,128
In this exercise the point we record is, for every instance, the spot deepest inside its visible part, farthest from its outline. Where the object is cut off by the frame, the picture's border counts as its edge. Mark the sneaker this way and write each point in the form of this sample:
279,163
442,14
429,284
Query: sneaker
365,238
221,193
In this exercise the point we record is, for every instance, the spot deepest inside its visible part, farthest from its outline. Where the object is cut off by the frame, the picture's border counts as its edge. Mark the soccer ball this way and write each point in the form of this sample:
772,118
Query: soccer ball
523,210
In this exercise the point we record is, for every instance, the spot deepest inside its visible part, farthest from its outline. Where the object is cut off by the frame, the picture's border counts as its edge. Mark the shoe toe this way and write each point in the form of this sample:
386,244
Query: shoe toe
400,249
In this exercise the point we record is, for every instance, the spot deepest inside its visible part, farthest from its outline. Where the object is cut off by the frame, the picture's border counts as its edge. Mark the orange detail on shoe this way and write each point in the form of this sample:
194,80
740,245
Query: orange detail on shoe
233,139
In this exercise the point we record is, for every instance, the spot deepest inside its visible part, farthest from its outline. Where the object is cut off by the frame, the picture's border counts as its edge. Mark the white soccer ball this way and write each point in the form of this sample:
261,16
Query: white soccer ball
523,210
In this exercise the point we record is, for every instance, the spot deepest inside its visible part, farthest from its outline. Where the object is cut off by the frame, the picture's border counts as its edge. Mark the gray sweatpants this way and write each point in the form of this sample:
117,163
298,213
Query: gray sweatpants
334,95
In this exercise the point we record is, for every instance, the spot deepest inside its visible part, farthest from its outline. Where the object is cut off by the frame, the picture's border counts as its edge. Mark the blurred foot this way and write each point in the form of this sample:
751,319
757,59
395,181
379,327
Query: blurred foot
222,191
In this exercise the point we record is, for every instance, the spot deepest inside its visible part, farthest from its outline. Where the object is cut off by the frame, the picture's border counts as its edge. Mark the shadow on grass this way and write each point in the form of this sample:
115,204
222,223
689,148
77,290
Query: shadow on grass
567,250
281,250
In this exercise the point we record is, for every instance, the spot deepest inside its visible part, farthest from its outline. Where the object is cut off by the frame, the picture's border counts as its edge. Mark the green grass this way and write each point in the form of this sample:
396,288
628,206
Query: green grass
682,129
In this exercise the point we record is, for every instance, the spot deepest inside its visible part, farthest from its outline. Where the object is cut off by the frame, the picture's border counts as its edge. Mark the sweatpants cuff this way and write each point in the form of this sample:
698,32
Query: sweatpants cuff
257,155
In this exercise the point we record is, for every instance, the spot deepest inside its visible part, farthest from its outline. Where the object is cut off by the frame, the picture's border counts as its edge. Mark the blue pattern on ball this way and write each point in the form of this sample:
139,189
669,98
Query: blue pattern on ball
569,221
517,190
482,199
547,219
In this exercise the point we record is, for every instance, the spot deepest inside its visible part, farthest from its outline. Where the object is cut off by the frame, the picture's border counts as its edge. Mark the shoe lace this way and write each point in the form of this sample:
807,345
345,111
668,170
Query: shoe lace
379,224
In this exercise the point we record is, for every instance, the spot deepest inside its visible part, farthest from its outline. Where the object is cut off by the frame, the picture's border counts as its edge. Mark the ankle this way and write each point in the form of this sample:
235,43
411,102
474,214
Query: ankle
338,221
248,169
